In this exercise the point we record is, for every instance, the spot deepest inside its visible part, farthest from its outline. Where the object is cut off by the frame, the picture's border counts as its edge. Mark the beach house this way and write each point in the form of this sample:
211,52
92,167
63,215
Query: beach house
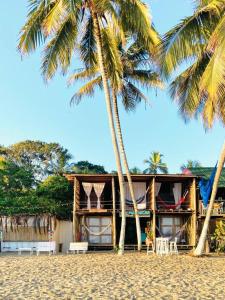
166,204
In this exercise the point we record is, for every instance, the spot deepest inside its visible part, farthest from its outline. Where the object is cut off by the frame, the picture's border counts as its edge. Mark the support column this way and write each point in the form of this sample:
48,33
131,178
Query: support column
114,212
153,207
74,210
194,213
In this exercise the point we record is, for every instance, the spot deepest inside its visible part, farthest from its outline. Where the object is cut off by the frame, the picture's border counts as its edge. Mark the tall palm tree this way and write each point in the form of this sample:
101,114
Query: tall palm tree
199,41
155,164
64,24
136,70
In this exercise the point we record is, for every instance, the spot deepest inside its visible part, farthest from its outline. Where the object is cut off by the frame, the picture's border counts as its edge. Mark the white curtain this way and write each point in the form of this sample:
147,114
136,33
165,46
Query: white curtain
157,188
139,193
177,189
99,187
88,188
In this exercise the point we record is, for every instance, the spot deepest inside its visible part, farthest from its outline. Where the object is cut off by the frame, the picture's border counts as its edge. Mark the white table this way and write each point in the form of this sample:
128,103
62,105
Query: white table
162,246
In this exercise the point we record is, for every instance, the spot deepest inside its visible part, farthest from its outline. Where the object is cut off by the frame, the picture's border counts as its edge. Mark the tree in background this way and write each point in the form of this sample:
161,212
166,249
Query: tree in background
135,170
191,164
40,158
199,41
57,190
85,167
155,164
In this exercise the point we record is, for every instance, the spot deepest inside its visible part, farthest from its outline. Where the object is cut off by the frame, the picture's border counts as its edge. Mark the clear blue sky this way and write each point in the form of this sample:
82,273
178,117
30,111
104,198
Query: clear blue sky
32,110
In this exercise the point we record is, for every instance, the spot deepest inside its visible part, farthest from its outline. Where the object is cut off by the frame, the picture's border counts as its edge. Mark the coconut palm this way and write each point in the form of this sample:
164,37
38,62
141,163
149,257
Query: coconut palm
137,70
64,24
191,164
199,41
155,164
135,171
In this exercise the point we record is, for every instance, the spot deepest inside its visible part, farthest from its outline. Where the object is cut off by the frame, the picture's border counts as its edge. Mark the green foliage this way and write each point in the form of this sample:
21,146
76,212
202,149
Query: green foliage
198,43
137,72
57,191
219,236
155,164
135,170
85,167
39,158
191,164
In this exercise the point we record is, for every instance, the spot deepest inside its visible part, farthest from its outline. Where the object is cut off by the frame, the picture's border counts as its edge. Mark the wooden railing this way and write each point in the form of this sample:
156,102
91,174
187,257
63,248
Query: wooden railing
218,208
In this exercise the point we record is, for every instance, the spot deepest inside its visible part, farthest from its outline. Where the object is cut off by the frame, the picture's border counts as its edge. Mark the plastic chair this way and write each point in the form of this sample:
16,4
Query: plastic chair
173,246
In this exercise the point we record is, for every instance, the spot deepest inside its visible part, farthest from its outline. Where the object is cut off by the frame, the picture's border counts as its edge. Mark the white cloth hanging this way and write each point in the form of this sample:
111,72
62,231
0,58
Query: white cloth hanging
157,188
88,188
177,189
99,187
139,194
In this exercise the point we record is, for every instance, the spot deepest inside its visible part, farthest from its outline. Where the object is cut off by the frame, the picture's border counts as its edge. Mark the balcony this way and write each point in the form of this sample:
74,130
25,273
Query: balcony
218,208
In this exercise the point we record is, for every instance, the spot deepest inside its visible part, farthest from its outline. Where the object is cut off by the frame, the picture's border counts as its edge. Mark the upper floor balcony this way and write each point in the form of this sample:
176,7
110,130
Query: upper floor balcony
218,208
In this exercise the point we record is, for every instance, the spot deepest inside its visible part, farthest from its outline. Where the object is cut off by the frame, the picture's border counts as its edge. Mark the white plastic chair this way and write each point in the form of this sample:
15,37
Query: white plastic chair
162,246
173,246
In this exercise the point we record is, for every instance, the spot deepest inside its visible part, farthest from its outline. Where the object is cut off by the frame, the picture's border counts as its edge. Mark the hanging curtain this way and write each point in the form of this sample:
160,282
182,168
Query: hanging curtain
99,187
88,188
139,194
177,189
157,188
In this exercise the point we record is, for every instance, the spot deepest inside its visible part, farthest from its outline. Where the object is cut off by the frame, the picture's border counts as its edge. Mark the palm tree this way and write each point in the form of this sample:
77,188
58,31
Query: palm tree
135,171
65,24
155,164
191,164
136,70
199,41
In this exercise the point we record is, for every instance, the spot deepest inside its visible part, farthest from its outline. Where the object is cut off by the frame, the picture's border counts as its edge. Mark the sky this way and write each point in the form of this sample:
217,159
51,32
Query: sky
30,109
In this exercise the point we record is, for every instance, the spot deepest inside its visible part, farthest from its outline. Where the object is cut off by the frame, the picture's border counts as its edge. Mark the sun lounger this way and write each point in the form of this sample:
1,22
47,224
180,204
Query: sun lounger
77,247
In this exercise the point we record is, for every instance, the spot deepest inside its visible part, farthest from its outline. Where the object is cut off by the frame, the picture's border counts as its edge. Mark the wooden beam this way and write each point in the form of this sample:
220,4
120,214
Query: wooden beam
74,210
153,207
194,216
114,212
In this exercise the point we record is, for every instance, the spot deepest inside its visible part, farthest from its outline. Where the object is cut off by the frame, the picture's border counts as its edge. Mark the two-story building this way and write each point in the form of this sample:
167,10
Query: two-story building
165,202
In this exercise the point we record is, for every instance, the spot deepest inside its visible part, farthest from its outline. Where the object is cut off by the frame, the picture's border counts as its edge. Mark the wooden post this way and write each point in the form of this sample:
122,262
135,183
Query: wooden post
114,212
74,209
152,195
194,214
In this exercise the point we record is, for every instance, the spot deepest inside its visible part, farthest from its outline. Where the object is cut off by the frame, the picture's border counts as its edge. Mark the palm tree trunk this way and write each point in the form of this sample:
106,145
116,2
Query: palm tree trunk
201,243
112,128
125,163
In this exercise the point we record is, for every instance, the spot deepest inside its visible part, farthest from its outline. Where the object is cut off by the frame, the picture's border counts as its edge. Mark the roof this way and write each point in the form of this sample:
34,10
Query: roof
135,177
206,172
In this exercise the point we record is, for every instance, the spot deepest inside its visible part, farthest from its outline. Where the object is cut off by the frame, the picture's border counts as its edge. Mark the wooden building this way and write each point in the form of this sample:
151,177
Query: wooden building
166,203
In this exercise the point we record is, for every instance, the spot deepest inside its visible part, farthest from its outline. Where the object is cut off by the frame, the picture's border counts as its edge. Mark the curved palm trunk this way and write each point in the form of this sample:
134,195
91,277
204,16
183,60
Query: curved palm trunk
201,243
112,128
125,163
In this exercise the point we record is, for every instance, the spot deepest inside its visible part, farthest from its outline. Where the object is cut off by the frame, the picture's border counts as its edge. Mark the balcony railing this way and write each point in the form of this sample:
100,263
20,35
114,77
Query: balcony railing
218,208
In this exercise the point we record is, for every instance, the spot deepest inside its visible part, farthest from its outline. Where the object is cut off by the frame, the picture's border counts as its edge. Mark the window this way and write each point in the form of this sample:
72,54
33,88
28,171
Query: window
97,225
170,226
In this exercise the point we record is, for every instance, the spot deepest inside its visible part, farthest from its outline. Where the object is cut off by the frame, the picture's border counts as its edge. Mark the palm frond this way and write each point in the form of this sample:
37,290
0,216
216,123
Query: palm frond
31,34
59,50
86,90
88,45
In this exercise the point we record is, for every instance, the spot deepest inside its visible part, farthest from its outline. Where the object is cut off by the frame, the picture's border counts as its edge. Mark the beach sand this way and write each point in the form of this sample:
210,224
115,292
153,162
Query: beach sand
109,276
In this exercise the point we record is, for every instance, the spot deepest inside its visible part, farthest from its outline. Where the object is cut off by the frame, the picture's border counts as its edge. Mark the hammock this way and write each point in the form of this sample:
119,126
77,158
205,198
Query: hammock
97,233
177,234
172,206
138,201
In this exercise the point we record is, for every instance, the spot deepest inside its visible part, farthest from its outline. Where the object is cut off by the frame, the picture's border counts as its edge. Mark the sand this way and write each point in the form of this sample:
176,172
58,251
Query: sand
108,276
